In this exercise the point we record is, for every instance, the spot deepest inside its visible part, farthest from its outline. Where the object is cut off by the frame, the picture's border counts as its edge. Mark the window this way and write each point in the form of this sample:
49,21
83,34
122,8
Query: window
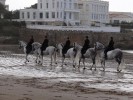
64,15
28,15
46,5
41,15
70,5
53,14
53,4
23,15
70,15
61,4
61,15
57,14
34,15
47,14
58,4
40,5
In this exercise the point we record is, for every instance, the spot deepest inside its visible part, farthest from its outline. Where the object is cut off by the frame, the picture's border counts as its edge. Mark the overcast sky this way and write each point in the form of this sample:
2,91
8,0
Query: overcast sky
114,5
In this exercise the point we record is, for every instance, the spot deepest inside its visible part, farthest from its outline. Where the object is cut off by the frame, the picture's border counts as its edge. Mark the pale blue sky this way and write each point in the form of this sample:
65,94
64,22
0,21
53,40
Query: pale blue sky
114,5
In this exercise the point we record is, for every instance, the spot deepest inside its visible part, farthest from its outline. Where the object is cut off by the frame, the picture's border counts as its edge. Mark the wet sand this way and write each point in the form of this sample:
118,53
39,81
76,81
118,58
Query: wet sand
42,89
34,87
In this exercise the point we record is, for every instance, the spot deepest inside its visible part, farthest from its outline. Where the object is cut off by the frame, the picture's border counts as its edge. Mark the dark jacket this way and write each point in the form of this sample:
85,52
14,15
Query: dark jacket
66,46
85,46
111,45
29,45
45,44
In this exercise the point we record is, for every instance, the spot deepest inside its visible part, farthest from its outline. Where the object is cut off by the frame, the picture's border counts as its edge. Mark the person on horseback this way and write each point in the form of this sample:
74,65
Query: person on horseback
109,47
44,44
66,47
85,46
29,45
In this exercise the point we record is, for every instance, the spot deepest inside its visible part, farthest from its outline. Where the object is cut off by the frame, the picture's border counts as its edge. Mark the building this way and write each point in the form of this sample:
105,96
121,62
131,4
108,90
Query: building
118,17
67,12
94,12
52,12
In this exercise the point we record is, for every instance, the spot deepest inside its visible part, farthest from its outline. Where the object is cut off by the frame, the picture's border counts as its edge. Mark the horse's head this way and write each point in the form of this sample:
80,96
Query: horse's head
35,46
60,46
22,44
77,46
99,46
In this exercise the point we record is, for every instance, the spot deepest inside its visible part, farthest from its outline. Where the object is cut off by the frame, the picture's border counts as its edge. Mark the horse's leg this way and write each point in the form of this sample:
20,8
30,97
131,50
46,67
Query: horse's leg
79,63
103,64
36,58
55,57
84,62
72,58
119,62
41,56
51,60
26,58
63,59
93,60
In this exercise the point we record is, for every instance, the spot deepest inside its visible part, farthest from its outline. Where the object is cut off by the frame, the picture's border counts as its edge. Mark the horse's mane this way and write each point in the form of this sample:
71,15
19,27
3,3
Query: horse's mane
23,42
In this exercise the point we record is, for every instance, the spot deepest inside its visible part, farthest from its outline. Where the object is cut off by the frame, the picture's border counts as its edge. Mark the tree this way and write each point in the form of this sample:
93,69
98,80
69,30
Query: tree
15,14
2,10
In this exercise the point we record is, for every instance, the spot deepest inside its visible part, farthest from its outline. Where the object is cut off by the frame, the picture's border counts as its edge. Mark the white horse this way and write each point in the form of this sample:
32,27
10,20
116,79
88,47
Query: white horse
23,45
71,53
90,53
116,54
50,50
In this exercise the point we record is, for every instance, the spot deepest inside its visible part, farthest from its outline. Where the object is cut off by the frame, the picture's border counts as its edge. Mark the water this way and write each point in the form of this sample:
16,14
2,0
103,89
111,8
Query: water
109,80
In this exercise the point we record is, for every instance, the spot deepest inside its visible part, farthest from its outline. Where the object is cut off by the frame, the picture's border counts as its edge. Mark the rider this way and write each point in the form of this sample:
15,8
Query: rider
109,47
29,45
44,44
66,46
85,46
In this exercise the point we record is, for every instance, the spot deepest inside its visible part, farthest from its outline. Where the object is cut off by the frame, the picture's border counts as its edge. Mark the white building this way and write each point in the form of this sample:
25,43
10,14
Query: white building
118,17
94,12
52,12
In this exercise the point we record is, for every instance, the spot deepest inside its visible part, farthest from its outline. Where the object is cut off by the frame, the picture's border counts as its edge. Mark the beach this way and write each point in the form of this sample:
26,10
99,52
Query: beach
20,81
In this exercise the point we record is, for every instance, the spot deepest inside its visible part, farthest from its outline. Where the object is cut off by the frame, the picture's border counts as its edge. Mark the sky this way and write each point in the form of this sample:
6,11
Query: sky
114,5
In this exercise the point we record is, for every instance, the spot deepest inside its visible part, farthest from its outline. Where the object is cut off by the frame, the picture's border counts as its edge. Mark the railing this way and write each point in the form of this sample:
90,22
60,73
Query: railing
77,28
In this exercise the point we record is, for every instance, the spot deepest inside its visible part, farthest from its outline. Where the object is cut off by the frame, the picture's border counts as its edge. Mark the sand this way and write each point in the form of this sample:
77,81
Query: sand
33,84
13,88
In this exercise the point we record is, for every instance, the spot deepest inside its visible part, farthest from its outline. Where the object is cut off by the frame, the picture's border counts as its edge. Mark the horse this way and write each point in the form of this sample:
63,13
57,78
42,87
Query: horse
23,45
50,50
71,53
90,53
116,54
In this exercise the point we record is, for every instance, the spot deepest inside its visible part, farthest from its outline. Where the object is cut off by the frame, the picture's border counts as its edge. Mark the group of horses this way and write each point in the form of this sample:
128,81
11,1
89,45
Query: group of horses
74,53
